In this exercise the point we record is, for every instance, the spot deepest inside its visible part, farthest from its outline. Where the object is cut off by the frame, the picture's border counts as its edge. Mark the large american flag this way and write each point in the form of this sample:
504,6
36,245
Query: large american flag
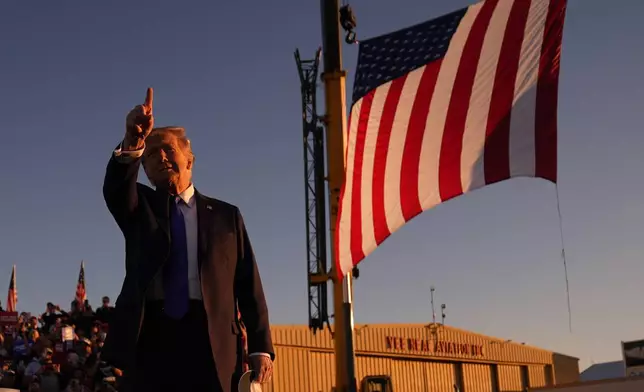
12,296
445,107
81,294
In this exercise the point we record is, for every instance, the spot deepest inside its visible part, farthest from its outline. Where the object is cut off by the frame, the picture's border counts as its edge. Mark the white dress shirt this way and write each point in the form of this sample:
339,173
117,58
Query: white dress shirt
188,206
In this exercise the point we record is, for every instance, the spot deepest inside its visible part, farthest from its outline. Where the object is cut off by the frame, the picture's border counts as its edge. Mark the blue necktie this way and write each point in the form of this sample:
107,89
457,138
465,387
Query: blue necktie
175,274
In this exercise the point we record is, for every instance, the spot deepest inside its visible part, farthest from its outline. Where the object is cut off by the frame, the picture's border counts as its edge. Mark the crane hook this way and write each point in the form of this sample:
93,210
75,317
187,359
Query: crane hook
348,23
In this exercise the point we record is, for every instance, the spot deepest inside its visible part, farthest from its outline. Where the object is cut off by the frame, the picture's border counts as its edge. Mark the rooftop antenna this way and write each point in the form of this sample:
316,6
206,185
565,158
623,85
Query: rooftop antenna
431,290
443,307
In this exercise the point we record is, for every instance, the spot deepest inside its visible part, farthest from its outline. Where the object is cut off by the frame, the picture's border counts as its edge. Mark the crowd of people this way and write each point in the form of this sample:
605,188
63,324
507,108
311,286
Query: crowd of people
58,350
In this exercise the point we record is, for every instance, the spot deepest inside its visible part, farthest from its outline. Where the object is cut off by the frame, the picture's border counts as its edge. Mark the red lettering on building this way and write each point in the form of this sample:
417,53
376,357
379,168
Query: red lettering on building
429,346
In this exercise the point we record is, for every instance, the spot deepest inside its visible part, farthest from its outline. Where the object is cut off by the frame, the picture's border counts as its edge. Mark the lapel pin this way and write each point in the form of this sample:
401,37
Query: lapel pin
209,207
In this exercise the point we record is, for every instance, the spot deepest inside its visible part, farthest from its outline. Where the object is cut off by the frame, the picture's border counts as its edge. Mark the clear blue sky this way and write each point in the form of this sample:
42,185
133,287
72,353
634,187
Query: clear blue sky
70,71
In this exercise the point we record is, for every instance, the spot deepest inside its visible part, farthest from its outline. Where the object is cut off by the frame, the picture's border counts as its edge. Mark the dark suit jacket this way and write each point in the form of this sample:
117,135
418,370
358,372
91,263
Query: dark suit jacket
227,267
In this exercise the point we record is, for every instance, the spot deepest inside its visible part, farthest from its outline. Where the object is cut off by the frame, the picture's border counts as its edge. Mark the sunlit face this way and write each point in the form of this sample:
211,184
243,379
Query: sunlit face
165,162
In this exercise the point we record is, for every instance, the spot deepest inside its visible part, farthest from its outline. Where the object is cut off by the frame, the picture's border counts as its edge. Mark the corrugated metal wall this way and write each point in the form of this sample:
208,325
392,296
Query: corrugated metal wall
298,369
408,376
321,373
302,370
477,378
290,361
509,378
372,366
440,376
537,376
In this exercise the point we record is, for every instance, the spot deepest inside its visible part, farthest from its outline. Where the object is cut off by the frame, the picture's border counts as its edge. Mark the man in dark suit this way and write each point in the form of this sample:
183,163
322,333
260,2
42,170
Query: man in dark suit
189,267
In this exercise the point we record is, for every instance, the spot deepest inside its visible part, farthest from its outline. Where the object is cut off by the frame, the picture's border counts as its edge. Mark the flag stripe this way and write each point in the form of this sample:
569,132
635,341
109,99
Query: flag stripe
473,167
356,191
522,123
497,139
380,224
343,230
451,148
413,143
377,107
428,185
546,116
393,205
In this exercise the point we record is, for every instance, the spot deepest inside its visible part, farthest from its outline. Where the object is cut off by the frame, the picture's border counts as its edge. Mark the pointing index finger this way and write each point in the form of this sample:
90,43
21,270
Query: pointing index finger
149,98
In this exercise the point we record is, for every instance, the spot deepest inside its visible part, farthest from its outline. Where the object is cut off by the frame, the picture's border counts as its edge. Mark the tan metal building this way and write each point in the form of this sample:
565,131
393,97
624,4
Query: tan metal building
416,358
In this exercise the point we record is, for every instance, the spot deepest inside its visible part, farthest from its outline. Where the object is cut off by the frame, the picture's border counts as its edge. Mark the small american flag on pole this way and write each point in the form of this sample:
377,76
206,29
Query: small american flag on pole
446,107
81,294
244,342
12,296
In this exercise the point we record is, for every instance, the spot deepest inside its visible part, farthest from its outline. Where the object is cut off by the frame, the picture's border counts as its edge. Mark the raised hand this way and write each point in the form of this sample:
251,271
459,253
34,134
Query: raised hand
138,123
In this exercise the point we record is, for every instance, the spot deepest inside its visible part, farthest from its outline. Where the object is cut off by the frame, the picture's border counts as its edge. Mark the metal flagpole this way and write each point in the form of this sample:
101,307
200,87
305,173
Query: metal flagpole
335,120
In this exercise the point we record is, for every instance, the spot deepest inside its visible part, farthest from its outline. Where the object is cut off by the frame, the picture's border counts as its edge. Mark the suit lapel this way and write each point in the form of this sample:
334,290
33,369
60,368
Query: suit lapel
205,220
212,228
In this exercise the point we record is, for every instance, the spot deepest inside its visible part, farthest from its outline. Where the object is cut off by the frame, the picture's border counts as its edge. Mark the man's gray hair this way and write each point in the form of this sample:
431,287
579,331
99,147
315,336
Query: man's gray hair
178,132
